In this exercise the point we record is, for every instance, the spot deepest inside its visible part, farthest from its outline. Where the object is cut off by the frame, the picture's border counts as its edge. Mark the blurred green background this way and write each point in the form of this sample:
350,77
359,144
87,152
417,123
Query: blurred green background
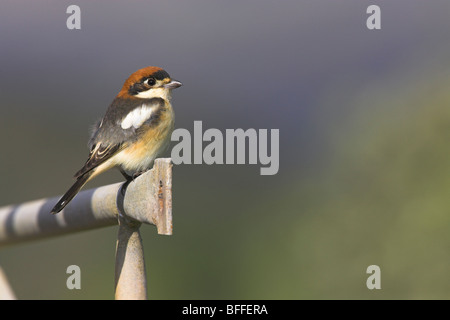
364,119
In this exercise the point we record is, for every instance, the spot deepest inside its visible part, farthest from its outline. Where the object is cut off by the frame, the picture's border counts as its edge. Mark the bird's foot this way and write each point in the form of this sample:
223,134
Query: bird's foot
137,174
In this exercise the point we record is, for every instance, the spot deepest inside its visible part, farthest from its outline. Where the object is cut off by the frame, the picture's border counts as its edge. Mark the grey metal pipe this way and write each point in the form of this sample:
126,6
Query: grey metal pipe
147,200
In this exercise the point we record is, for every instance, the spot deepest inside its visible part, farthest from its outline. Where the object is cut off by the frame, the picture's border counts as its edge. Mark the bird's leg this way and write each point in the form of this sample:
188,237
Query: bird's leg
126,176
125,185
132,177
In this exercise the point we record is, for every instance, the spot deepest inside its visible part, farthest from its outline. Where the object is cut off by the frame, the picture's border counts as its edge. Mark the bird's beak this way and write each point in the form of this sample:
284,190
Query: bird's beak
173,84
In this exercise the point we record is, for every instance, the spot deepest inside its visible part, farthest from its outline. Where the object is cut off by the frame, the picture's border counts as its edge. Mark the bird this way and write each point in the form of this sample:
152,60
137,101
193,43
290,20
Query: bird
135,129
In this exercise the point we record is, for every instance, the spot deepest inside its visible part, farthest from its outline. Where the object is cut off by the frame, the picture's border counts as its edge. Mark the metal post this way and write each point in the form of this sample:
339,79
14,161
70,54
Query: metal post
130,279
6,293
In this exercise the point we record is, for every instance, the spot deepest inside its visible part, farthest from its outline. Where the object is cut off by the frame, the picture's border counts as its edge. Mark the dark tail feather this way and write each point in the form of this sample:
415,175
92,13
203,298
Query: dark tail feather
72,192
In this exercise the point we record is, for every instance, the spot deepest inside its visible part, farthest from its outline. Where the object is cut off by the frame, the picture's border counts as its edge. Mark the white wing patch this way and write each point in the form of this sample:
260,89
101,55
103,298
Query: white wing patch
136,117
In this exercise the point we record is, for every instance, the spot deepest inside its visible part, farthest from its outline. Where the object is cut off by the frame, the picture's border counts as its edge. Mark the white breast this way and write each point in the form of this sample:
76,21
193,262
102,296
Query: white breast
136,117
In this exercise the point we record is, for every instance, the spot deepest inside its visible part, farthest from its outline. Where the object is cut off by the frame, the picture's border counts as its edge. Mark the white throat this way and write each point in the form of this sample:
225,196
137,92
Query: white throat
162,93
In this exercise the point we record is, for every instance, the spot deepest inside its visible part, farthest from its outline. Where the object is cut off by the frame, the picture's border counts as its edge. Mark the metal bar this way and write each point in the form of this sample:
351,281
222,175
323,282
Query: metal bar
147,199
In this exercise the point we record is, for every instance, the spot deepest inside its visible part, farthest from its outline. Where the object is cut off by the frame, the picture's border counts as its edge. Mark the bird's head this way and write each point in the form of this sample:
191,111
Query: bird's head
149,82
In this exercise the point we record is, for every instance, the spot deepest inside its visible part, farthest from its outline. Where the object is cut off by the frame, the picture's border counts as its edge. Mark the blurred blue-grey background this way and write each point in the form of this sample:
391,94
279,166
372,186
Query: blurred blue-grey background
364,120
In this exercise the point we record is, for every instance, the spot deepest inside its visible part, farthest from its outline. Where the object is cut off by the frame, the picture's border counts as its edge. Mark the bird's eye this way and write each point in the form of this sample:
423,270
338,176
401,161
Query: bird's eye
150,81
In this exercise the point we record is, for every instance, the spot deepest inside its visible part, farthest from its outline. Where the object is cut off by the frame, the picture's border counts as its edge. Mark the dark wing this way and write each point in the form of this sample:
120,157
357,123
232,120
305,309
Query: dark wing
98,155
109,137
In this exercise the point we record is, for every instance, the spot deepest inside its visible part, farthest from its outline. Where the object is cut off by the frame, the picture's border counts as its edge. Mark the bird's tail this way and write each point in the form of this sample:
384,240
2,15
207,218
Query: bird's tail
72,192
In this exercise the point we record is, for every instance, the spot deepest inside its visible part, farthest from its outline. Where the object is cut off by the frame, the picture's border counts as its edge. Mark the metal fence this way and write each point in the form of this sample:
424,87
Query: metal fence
148,200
